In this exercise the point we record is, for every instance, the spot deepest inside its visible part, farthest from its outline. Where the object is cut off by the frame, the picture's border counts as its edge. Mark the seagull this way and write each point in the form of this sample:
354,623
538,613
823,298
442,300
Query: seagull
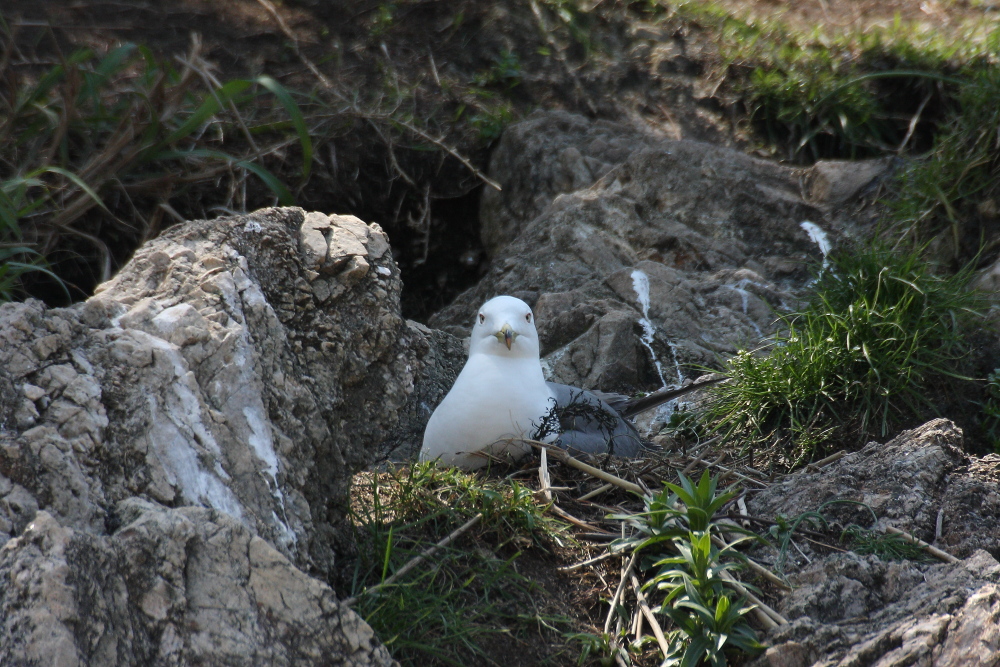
501,398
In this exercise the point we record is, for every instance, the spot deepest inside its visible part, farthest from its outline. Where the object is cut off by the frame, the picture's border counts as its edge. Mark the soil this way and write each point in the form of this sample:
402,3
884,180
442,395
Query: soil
451,62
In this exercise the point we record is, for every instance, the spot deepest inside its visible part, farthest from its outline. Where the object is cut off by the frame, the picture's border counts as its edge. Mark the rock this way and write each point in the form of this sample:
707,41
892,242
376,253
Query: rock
640,254
210,373
906,482
548,154
171,586
913,613
831,183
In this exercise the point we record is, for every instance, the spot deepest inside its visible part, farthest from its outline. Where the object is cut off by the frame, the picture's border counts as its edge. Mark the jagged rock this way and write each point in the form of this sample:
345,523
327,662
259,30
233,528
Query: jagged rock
548,154
907,482
170,587
634,248
248,365
848,609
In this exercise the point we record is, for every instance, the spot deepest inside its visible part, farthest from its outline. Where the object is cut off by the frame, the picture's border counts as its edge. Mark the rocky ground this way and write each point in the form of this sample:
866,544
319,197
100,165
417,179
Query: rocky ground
176,451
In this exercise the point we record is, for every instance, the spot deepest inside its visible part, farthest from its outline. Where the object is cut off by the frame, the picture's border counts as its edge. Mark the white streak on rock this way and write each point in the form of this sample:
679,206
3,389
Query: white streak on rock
819,237
640,283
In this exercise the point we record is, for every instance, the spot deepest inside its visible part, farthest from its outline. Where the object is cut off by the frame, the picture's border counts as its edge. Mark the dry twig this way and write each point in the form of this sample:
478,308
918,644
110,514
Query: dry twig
648,613
416,560
932,550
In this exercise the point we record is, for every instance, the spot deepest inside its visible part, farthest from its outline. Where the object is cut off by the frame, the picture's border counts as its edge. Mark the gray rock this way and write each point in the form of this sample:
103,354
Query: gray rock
171,587
906,482
210,372
660,253
847,609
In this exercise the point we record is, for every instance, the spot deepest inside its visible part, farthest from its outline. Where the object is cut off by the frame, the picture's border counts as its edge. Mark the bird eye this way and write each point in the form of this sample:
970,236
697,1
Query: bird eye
482,318
527,318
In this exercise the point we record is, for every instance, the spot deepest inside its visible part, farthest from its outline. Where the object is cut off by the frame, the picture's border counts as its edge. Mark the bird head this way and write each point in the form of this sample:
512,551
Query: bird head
505,326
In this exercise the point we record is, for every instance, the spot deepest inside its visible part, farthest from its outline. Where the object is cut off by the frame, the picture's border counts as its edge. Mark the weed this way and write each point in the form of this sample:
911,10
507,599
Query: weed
697,599
383,20
91,139
490,121
887,546
879,335
708,620
505,73
955,189
991,410
600,647
445,609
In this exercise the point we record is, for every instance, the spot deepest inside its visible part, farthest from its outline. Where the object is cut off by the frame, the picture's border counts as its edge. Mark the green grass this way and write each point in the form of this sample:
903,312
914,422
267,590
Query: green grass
845,94
952,194
448,610
878,340
98,146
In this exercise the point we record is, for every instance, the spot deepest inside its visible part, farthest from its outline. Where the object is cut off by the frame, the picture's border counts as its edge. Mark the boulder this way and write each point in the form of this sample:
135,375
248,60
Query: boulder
641,254
228,381
851,609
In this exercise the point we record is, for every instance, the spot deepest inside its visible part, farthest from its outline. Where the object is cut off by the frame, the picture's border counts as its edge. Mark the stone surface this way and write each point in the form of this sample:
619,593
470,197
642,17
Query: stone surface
639,254
907,482
848,609
246,365
170,587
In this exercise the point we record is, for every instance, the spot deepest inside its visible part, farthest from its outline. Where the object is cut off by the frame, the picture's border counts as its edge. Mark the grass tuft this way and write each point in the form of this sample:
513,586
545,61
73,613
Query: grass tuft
868,354
452,608
952,194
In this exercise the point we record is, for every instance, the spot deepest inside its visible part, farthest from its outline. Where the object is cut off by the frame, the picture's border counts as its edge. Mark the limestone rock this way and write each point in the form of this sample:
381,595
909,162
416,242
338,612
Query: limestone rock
932,614
170,587
906,482
232,365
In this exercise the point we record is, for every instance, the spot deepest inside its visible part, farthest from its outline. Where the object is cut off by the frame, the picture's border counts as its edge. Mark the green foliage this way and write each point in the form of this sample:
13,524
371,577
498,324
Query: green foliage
886,546
504,73
955,189
679,521
834,93
870,350
991,409
491,121
441,611
676,511
599,647
382,20
123,127
709,623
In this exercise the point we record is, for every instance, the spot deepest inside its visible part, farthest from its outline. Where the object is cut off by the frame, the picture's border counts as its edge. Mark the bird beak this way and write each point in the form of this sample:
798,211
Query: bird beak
506,335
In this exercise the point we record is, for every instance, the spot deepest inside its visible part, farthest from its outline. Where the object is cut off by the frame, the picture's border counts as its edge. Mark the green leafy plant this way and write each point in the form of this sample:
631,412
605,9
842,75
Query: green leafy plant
676,511
697,599
98,145
867,353
709,620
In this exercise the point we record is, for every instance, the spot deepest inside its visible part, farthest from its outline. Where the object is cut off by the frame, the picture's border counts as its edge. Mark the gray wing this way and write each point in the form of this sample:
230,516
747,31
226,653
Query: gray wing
591,425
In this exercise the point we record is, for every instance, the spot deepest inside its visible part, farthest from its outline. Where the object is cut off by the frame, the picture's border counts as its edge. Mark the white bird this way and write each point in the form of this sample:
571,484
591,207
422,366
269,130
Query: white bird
501,396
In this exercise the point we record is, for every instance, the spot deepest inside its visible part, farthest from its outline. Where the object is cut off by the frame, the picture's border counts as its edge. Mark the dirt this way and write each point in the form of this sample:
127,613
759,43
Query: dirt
454,68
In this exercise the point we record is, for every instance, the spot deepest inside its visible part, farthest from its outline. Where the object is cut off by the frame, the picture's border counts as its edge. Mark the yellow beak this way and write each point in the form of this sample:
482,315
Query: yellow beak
506,335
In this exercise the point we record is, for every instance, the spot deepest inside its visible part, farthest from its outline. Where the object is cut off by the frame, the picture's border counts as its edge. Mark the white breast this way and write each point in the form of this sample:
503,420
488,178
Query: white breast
493,399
